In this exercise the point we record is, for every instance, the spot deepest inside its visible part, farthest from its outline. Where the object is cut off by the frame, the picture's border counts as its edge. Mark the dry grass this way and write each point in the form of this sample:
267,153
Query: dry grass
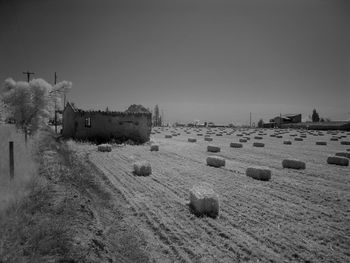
296,216
12,190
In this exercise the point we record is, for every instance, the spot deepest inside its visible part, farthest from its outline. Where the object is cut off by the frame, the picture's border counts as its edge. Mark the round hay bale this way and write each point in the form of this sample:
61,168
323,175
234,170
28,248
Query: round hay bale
321,143
215,161
287,142
343,154
236,145
258,144
192,139
208,139
345,142
212,148
293,164
298,139
258,138
168,136
204,201
259,173
242,140
154,148
142,168
338,160
104,148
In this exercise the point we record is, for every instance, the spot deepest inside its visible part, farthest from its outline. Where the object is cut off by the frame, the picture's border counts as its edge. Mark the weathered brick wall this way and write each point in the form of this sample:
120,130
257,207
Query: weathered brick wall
105,125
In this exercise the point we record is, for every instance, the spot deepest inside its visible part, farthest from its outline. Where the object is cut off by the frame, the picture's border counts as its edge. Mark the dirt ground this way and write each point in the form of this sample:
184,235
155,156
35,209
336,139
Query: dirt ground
297,216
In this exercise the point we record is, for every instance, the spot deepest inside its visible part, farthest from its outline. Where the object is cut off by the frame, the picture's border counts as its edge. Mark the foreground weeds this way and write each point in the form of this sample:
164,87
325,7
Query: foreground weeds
70,214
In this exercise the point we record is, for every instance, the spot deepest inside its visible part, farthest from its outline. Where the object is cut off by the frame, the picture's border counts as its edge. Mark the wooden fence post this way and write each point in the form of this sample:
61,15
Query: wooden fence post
12,163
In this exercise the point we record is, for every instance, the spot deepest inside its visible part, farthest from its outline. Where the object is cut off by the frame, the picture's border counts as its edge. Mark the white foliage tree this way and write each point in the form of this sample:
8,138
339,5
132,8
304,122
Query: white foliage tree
31,104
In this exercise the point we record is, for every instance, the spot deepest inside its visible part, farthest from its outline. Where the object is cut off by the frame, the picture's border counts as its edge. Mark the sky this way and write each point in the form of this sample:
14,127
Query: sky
208,60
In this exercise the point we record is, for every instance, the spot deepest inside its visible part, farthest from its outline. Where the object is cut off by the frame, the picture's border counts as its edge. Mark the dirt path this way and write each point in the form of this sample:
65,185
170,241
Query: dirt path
298,216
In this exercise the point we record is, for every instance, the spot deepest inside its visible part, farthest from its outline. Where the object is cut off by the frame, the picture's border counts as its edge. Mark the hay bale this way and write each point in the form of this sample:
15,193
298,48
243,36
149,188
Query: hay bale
236,145
168,136
259,173
293,164
204,201
338,160
287,142
104,148
343,154
192,139
154,148
212,148
208,139
215,161
321,143
258,144
345,142
142,168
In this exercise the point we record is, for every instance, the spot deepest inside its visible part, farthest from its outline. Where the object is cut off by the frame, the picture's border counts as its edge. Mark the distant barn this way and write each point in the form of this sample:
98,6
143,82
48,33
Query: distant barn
134,124
283,119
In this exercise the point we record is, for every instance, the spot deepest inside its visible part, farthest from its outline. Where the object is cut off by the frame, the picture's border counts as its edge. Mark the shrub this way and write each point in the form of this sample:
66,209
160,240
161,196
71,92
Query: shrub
345,142
242,140
192,139
321,143
168,136
208,139
287,142
298,139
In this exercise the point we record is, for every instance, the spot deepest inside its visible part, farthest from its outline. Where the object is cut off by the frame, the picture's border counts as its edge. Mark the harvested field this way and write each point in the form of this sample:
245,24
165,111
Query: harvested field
297,216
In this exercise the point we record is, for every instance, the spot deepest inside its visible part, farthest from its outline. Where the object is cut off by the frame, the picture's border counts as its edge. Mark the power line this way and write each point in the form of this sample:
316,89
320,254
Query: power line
28,74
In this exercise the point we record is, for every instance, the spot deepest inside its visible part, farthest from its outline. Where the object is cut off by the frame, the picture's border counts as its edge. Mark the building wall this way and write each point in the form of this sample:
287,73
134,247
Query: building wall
106,125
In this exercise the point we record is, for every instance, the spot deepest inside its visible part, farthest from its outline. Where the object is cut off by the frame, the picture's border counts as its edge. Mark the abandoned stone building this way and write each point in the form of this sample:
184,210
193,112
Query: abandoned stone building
106,125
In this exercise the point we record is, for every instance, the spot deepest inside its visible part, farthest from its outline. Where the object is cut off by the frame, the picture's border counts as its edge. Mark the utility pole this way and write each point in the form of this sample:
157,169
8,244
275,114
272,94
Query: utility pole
28,74
250,119
55,106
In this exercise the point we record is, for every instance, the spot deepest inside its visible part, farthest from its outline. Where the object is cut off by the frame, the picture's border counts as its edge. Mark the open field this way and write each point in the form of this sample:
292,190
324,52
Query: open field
297,216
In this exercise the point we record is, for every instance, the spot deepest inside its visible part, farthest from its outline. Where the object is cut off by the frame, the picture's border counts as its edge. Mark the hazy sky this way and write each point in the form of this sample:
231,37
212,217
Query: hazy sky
208,60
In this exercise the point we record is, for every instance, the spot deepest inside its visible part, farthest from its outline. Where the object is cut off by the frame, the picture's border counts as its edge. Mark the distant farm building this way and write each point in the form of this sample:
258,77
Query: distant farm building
135,124
283,119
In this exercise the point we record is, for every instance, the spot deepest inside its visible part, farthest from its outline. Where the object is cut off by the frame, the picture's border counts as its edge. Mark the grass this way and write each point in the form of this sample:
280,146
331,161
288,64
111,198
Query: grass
25,166
60,210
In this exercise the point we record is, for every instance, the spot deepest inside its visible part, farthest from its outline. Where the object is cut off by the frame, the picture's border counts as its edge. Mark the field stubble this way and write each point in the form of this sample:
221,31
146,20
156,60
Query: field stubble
297,216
